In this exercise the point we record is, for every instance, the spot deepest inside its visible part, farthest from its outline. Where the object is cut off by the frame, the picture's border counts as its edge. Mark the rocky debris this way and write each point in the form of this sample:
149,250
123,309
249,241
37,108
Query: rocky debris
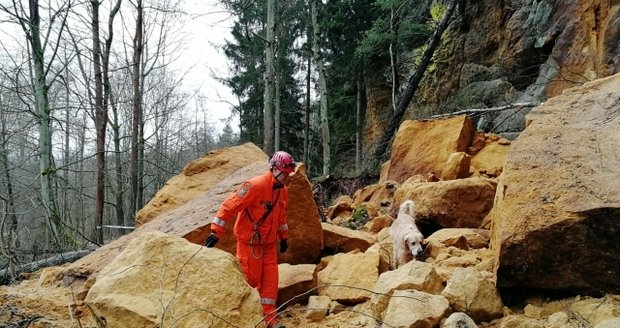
378,193
341,211
348,278
457,166
413,275
318,308
461,238
459,320
468,291
413,308
461,203
342,239
181,284
490,155
42,301
378,223
556,216
382,247
296,283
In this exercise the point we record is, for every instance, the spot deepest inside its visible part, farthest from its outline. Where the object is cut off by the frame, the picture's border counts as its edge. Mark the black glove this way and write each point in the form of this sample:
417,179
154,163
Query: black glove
283,245
211,240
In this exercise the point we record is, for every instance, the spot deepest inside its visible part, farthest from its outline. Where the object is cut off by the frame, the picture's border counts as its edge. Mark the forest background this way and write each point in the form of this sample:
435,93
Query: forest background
94,119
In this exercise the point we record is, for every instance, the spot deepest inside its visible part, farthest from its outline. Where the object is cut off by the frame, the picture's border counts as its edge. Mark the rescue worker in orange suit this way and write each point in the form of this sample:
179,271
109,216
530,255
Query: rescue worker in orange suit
259,205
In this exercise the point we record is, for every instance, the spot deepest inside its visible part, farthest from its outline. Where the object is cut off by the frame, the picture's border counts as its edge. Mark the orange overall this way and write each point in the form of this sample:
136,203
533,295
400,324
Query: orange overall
257,235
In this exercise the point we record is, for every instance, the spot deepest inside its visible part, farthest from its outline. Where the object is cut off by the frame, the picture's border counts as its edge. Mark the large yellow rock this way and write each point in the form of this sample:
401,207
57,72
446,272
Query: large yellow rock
165,281
422,147
556,217
199,176
461,203
192,219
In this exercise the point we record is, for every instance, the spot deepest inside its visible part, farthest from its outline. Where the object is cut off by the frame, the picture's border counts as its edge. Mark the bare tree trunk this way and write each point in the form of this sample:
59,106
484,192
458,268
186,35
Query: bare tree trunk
136,116
278,81
277,116
8,219
5,249
101,121
118,170
140,191
54,260
393,60
325,135
67,153
268,143
358,123
307,127
107,100
414,81
43,112
6,167
81,216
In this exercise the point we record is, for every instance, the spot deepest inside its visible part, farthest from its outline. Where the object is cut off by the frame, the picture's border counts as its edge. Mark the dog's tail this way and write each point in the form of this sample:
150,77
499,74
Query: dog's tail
408,207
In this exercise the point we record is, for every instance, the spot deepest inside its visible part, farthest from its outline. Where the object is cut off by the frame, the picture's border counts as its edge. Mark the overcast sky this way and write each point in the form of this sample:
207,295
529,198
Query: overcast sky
204,58
203,30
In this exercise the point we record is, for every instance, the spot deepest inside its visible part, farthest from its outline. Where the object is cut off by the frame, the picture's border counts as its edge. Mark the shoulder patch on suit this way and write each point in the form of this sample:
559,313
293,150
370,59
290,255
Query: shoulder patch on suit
243,190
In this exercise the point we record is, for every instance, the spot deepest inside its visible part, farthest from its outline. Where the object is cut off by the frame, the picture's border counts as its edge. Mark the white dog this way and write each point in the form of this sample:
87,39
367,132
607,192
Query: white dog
407,239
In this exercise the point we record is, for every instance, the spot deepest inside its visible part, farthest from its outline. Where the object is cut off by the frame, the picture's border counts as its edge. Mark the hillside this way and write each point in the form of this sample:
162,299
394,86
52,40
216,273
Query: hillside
531,243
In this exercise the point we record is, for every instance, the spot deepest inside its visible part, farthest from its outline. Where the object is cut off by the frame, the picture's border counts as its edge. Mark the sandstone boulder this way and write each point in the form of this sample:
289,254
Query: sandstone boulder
296,283
349,277
422,147
557,210
412,308
343,239
461,203
160,280
468,291
413,275
198,176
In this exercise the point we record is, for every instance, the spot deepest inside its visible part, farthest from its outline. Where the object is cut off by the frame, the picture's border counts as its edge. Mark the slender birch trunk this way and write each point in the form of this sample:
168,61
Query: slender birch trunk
44,117
136,116
268,129
325,134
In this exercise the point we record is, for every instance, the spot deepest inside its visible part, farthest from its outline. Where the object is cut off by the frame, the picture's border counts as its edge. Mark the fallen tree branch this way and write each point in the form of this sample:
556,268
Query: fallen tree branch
33,266
486,110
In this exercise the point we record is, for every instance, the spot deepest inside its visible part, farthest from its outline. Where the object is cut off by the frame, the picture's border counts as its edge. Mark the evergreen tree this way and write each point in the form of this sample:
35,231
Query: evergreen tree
246,53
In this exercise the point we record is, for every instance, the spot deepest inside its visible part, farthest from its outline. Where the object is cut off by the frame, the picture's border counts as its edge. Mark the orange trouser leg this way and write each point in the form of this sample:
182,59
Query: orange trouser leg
262,274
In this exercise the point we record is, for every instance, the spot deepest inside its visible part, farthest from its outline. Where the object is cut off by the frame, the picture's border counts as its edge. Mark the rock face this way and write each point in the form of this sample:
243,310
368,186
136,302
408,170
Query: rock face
163,281
499,52
556,217
539,47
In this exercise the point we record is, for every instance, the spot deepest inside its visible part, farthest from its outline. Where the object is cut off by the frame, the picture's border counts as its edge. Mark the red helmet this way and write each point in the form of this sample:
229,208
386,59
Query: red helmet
283,161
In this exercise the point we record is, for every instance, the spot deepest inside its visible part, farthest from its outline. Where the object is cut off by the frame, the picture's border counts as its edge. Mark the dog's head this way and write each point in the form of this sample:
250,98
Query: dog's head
414,240
407,207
